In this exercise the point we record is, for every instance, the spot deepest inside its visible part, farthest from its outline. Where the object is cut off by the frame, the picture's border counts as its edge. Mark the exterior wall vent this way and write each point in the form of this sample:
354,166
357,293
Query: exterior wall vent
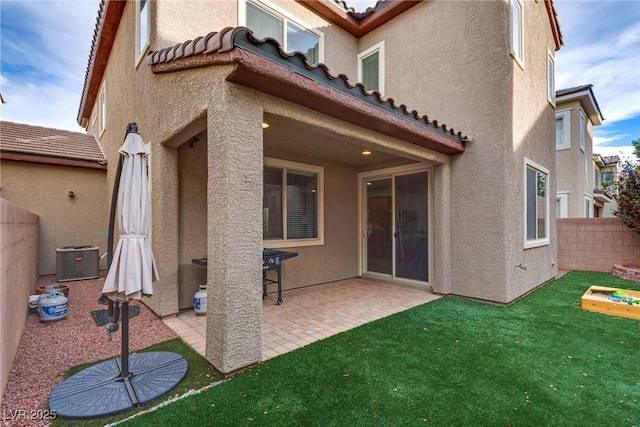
76,263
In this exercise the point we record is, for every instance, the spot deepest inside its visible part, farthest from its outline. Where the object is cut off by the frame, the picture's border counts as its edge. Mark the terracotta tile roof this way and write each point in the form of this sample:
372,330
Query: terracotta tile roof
555,23
230,38
36,141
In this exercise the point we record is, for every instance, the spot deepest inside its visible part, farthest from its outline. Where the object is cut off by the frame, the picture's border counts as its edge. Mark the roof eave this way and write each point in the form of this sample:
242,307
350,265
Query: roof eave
53,160
108,27
263,66
358,27
555,24
588,100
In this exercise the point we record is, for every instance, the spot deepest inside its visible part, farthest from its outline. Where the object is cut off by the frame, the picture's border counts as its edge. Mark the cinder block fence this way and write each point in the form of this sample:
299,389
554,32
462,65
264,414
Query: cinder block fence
596,244
18,276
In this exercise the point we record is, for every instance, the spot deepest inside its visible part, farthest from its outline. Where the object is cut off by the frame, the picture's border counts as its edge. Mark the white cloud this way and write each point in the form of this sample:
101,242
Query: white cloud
51,44
609,59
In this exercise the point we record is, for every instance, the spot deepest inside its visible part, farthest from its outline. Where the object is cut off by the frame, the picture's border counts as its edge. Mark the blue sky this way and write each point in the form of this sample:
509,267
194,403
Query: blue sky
44,47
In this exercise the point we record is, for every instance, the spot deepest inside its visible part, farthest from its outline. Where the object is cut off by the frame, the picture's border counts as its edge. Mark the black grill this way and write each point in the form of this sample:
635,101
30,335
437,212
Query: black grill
272,261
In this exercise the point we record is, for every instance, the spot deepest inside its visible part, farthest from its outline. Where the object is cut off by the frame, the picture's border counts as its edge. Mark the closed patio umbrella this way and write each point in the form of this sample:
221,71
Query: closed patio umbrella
110,387
133,268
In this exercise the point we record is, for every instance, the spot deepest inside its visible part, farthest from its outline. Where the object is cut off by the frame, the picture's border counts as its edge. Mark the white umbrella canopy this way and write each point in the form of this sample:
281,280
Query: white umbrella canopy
133,267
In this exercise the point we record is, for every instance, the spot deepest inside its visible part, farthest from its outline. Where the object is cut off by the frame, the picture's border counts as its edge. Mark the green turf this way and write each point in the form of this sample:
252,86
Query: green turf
200,374
453,362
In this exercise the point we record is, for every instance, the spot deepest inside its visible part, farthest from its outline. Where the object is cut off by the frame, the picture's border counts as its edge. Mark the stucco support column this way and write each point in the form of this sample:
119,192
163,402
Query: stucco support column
234,216
164,234
441,282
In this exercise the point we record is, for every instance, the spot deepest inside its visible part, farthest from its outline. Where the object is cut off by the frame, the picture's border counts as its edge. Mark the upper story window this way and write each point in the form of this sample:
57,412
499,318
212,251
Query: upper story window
517,31
267,20
142,28
607,177
551,76
292,207
371,68
583,125
536,205
102,110
562,199
563,130
587,206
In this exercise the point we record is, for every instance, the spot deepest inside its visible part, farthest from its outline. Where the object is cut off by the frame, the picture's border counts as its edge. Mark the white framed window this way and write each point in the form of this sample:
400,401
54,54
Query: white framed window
517,31
371,68
265,19
292,204
588,203
562,204
142,29
536,205
583,125
551,83
563,130
607,177
102,110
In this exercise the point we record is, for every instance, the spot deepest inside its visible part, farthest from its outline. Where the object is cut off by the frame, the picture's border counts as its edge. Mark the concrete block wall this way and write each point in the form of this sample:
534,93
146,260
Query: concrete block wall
18,277
596,244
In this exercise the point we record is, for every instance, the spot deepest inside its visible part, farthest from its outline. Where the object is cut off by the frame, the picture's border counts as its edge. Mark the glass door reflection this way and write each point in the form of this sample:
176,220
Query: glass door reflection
379,226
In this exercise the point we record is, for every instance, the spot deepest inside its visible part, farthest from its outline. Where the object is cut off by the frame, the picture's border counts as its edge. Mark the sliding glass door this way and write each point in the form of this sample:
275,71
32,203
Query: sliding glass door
397,226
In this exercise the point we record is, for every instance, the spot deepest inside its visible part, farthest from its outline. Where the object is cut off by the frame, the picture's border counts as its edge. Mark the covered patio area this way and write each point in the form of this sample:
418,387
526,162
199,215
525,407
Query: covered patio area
313,313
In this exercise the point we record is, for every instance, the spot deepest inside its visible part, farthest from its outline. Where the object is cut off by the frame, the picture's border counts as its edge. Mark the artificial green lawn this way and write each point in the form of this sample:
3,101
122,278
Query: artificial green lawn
452,362
200,374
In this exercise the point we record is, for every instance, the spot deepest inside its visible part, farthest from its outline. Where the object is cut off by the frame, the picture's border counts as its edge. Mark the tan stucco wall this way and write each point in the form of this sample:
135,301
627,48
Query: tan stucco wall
43,190
576,173
19,242
533,130
466,78
192,193
178,21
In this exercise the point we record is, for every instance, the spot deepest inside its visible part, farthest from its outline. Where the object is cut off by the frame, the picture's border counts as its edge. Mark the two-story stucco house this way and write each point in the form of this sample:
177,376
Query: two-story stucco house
606,172
437,170
577,112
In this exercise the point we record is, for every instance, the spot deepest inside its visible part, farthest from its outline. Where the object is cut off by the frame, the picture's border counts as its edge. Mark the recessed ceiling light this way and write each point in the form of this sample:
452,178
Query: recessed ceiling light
265,125
366,153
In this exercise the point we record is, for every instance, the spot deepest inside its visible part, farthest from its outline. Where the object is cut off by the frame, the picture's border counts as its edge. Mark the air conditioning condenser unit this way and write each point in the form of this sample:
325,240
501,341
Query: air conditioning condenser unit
76,263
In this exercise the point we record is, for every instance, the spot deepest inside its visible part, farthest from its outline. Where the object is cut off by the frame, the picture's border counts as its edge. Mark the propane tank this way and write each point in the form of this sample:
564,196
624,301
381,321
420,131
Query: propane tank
53,307
48,290
200,300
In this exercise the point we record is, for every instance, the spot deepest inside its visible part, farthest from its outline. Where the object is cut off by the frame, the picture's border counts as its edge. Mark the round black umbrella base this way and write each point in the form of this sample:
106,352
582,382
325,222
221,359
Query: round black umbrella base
101,390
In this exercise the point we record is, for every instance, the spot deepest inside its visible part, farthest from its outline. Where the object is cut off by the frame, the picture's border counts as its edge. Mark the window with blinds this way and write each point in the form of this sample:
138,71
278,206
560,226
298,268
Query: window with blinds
371,68
292,195
302,205
264,23
371,71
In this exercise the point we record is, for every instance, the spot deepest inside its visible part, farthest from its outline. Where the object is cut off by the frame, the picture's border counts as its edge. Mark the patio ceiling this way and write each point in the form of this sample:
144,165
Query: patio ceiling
285,135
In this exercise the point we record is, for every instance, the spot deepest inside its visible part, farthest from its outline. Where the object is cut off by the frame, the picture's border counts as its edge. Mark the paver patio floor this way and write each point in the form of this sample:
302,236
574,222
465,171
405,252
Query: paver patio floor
313,313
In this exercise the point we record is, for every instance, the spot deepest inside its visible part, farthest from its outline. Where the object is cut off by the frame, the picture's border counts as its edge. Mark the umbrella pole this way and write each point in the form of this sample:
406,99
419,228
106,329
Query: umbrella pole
125,340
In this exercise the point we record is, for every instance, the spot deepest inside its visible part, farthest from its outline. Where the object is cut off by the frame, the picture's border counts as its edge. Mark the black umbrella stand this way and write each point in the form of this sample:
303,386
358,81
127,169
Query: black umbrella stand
120,383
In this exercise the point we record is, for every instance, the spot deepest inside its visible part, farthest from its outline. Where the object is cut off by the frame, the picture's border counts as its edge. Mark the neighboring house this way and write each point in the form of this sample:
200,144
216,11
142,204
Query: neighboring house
607,170
577,112
252,147
61,177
